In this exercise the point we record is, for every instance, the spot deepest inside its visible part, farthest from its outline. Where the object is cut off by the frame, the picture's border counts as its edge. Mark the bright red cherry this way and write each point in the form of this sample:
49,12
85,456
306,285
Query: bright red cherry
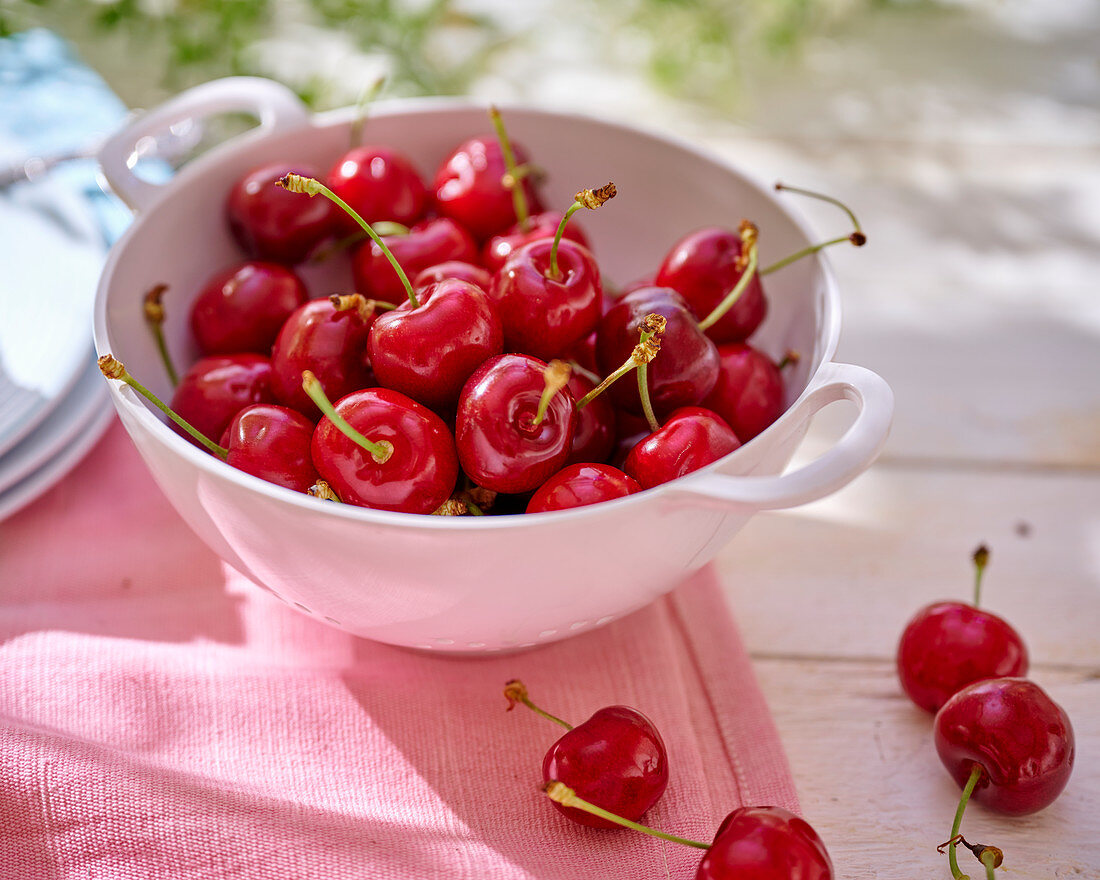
765,843
379,184
703,267
499,248
749,394
425,245
594,435
243,308
690,438
429,351
270,223
502,443
218,387
1021,740
273,443
454,269
577,485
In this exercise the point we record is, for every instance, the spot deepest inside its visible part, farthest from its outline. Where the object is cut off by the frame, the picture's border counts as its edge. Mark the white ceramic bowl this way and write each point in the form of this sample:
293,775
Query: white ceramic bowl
472,584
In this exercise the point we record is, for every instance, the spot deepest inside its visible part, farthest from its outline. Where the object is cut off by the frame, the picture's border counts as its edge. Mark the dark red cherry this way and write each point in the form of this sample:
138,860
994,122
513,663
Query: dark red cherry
218,387
430,351
1022,740
685,370
427,243
499,248
703,267
594,435
583,352
765,843
273,443
270,223
243,308
544,314
615,760
330,342
500,445
690,438
469,189
379,184
454,269
749,393
577,485
418,474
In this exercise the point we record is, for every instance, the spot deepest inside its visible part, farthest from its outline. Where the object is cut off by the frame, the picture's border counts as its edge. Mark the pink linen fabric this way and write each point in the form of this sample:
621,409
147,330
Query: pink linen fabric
161,717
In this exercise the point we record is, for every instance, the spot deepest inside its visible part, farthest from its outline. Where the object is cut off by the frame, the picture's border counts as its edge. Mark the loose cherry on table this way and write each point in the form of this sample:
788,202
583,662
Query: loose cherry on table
578,485
948,645
379,184
616,760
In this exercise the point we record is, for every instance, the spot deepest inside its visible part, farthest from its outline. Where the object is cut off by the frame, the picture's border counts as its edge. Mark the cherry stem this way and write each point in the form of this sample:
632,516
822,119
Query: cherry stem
749,254
516,692
321,489
154,317
981,559
975,775
560,793
382,227
790,357
113,368
366,98
555,377
308,186
586,198
857,237
649,343
512,180
380,451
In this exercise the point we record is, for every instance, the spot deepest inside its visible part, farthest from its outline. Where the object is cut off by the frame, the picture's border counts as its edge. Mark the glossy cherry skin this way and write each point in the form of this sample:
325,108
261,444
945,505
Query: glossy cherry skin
499,248
454,269
379,184
271,223
427,243
243,307
273,443
684,371
594,434
1022,739
429,352
499,446
329,342
577,485
218,387
702,267
749,393
690,438
765,843
615,760
420,474
949,645
468,187
543,316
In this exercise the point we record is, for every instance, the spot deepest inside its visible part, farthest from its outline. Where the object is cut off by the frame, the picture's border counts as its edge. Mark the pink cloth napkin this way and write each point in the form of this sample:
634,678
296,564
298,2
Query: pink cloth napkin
160,717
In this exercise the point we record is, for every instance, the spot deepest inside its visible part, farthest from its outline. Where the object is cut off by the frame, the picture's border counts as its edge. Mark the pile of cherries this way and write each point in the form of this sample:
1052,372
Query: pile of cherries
1001,737
608,771
466,367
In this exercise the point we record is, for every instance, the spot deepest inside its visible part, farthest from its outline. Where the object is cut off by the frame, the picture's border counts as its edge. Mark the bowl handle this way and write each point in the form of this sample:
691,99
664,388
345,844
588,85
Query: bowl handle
852,454
276,106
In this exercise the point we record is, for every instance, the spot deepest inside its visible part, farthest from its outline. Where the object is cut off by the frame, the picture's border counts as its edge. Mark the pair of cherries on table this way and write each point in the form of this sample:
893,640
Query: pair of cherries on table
608,771
1000,736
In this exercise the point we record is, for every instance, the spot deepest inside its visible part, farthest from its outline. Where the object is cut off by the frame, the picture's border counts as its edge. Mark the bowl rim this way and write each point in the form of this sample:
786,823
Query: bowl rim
828,332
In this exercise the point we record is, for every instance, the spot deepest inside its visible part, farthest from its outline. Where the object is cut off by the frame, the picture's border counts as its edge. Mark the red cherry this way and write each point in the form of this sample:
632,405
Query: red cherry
273,443
691,438
703,267
379,184
577,485
594,435
500,443
244,307
270,223
749,393
218,387
583,352
765,843
417,474
469,189
615,760
1020,738
429,352
427,243
454,269
499,248
330,342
